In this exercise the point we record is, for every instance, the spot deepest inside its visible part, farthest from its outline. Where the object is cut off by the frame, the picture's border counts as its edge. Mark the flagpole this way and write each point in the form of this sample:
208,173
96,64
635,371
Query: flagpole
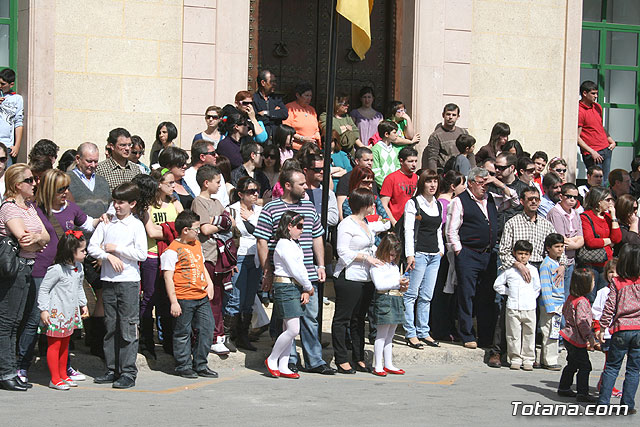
331,89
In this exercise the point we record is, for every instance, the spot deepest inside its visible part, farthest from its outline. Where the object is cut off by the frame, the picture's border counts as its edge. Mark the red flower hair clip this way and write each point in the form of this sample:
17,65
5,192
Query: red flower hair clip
76,233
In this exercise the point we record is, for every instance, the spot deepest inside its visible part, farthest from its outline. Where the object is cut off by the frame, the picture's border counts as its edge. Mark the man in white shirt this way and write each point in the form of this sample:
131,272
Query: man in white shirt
204,153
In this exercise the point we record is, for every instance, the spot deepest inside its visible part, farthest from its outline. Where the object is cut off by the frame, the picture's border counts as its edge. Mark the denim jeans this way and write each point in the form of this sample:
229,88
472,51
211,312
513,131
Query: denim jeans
568,272
13,297
121,318
600,282
422,282
605,165
245,286
622,343
196,314
28,336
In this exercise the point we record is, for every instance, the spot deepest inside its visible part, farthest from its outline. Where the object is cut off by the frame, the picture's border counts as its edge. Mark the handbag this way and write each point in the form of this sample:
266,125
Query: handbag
591,256
9,261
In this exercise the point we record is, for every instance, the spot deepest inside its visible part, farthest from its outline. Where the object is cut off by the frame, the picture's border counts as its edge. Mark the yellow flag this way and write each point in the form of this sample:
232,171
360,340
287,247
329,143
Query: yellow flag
358,12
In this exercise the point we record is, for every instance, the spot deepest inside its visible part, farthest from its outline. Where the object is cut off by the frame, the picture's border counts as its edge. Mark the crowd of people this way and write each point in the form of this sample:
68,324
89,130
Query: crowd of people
186,250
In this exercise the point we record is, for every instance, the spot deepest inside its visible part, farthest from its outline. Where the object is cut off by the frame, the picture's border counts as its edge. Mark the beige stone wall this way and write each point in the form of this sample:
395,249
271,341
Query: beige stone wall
515,61
117,64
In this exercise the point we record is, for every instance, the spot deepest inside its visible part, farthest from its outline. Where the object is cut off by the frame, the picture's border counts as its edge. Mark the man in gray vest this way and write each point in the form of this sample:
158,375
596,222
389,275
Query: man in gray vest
92,194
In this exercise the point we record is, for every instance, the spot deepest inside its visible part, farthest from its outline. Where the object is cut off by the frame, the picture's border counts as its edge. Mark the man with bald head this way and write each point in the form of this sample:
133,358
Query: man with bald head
92,194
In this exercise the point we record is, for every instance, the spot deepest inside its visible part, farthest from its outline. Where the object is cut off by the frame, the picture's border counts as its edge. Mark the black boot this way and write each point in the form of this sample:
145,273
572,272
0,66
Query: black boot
148,345
230,331
167,334
242,340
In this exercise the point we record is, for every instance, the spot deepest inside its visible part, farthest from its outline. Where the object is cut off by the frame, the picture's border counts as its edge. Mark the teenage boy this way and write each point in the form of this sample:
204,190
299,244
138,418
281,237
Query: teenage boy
189,288
11,115
595,176
521,307
120,244
385,156
596,145
212,221
465,144
540,160
399,186
551,301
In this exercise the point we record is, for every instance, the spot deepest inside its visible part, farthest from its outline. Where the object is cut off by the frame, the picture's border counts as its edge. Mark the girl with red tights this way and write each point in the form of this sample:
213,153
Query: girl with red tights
62,303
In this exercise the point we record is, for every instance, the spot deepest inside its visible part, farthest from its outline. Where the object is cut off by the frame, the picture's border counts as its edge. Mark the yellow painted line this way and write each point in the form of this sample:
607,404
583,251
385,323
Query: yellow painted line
172,390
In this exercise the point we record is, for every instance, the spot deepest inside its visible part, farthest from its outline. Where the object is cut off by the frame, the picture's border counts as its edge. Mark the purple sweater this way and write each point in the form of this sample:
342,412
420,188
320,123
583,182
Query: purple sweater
70,218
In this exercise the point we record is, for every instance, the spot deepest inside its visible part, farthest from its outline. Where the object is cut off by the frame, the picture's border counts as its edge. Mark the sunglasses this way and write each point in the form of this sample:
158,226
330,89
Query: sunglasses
317,170
560,170
533,199
211,153
3,159
245,103
29,180
250,191
210,117
300,226
570,196
135,153
530,170
196,229
492,173
62,190
271,156
501,168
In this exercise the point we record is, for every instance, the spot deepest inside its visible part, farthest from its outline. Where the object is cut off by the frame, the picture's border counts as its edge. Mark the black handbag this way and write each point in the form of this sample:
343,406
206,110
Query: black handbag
591,256
9,260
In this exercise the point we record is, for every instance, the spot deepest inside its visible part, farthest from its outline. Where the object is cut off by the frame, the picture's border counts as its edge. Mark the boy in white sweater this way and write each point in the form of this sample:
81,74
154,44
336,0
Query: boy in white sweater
521,308
120,244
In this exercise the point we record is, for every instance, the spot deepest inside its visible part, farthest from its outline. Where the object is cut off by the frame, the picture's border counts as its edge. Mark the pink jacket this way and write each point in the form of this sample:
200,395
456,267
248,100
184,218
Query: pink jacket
622,309
578,318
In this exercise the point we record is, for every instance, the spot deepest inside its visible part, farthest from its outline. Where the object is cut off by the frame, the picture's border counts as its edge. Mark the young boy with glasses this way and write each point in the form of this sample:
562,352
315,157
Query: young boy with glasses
189,288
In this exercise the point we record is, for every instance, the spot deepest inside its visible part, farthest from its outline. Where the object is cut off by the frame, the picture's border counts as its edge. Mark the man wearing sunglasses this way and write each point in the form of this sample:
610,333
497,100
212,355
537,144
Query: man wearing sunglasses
271,110
566,221
203,153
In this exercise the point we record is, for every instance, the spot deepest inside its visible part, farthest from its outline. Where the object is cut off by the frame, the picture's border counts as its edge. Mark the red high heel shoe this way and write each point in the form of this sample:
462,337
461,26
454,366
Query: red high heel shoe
274,372
395,372
293,375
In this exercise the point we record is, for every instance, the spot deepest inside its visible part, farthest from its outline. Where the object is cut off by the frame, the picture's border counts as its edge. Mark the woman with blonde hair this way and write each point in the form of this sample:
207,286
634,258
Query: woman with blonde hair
18,219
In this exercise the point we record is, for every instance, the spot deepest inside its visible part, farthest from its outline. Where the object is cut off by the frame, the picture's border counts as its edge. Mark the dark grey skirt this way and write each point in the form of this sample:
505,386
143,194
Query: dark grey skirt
286,300
388,309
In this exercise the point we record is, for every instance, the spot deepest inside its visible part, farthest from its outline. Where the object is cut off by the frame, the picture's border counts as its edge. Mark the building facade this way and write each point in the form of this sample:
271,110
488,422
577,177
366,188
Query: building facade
85,67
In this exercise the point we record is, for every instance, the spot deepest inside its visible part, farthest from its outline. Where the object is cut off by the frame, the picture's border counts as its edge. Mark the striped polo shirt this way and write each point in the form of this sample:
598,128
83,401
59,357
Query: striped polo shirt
268,223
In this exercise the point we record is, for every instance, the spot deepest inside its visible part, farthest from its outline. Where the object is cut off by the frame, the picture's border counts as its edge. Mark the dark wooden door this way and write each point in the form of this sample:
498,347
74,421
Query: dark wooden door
291,39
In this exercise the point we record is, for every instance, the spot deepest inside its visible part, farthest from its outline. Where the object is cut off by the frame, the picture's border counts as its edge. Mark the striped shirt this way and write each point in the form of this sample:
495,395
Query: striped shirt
551,295
30,218
270,218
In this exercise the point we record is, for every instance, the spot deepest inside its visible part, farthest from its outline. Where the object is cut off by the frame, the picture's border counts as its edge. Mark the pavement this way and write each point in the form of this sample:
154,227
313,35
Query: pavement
450,385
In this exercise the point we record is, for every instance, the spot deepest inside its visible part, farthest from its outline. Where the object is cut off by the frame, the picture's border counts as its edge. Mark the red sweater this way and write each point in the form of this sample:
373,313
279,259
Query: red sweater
578,320
603,229
622,309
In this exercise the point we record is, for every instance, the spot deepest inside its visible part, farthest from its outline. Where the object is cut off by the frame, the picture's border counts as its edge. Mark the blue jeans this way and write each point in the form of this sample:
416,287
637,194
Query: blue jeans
245,286
196,314
30,322
568,272
13,297
605,165
422,282
622,343
600,282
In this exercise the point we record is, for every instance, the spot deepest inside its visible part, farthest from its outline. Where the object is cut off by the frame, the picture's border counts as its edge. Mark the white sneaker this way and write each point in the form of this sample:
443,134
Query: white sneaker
60,386
75,375
70,382
218,347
